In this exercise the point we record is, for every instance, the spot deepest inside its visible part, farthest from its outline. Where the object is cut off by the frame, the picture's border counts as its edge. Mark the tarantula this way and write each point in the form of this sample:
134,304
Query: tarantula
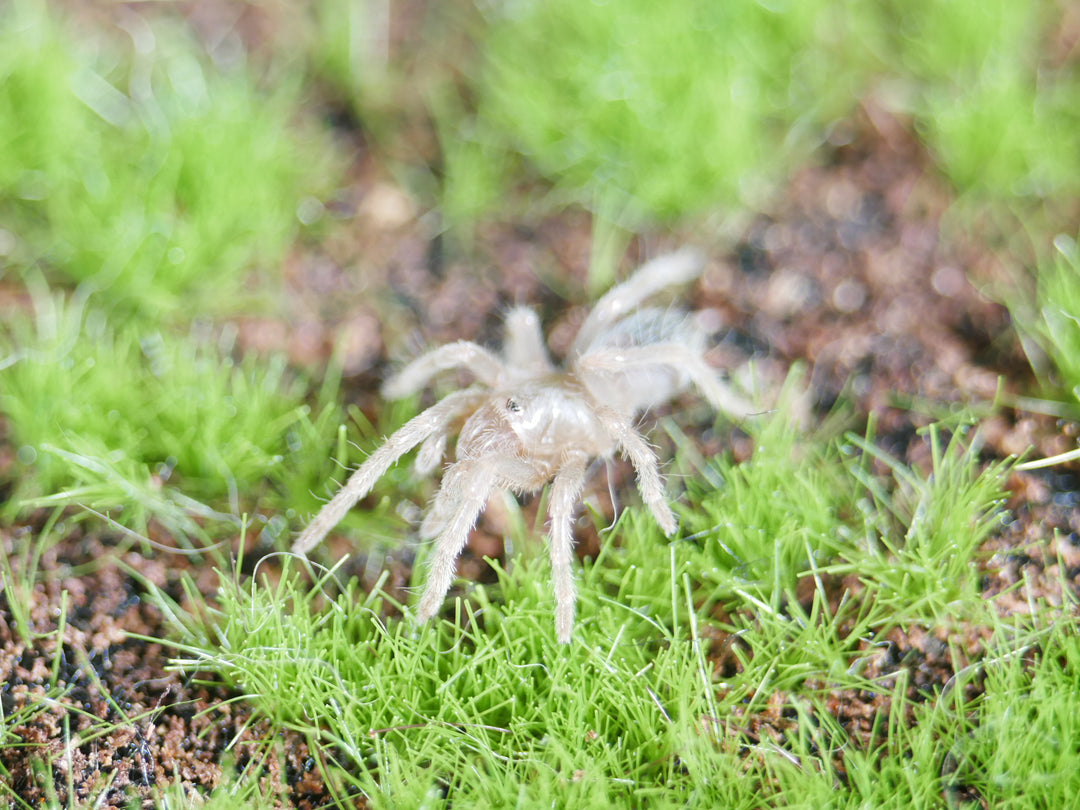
527,423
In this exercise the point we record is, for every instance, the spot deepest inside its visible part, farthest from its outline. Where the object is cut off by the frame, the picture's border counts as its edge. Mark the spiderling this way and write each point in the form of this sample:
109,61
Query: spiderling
526,422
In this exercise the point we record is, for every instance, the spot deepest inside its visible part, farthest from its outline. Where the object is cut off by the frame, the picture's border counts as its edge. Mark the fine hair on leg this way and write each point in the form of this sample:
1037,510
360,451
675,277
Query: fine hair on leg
442,505
650,483
360,482
565,492
433,448
481,363
478,482
655,275
431,452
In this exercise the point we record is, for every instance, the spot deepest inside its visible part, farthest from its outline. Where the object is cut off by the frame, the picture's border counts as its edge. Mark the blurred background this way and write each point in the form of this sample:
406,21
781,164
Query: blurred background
214,203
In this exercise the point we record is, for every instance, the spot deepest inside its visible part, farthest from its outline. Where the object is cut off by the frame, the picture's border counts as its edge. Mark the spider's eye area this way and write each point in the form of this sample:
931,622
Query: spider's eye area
512,405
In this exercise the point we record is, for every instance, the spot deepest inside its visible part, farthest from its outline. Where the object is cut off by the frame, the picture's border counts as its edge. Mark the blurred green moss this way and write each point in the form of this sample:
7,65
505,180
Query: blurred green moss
150,174
1001,117
665,108
1056,325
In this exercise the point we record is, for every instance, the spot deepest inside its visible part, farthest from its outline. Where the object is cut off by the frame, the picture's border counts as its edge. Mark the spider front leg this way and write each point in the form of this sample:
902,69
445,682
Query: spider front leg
433,448
473,481
416,430
484,365
565,492
645,463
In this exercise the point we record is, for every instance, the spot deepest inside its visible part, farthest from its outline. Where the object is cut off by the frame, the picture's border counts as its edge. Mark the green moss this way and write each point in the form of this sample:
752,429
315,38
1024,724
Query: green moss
116,417
667,108
150,175
1001,118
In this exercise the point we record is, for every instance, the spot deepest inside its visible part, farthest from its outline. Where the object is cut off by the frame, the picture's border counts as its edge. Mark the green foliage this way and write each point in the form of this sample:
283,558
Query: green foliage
1011,134
343,37
1058,328
654,111
774,516
1000,122
487,705
484,704
659,111
796,508
107,417
475,162
923,530
1017,744
183,181
666,109
482,708
955,41
20,558
804,505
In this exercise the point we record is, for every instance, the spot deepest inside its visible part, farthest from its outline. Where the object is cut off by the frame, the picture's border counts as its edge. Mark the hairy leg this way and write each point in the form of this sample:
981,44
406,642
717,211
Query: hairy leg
678,358
524,350
442,505
360,482
484,365
663,271
475,481
645,464
513,474
431,452
433,448
564,497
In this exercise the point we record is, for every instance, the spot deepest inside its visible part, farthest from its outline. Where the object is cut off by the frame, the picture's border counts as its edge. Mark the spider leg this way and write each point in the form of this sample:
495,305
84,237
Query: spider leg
524,350
565,492
442,506
360,482
431,452
643,458
677,357
512,473
484,365
433,448
473,482
663,271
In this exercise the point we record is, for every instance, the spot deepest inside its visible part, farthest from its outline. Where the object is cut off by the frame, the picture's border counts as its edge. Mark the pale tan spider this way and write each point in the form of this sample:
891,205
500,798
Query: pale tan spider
527,423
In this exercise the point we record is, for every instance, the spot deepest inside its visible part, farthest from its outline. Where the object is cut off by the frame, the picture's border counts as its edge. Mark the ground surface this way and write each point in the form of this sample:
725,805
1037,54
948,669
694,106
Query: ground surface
849,271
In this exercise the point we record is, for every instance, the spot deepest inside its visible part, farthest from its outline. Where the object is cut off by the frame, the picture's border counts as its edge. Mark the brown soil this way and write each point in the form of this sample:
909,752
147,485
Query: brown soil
849,272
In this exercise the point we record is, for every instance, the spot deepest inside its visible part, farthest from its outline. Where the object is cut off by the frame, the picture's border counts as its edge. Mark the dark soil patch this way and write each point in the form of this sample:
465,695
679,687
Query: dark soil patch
110,723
